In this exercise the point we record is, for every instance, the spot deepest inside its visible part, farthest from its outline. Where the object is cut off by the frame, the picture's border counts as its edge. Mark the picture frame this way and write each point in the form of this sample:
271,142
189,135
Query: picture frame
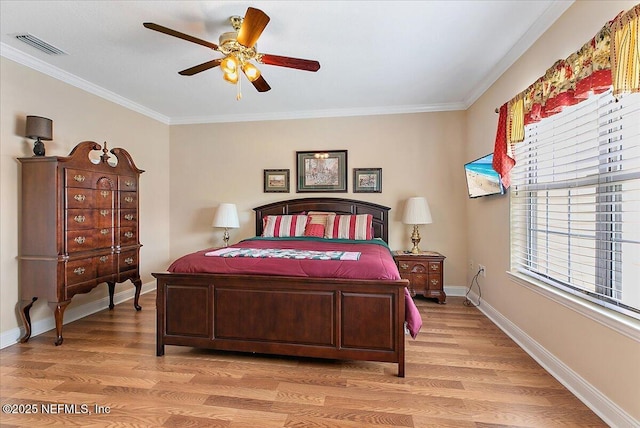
367,180
321,171
276,181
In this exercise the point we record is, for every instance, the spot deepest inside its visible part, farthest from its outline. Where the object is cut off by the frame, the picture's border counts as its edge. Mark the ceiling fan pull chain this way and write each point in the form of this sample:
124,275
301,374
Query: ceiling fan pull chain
239,90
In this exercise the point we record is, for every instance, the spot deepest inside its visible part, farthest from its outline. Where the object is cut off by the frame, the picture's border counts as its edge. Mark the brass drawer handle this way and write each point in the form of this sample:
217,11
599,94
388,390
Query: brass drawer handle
404,266
129,183
79,218
129,217
104,193
435,267
80,198
104,213
79,178
128,260
128,234
128,199
104,231
104,259
79,271
435,281
80,239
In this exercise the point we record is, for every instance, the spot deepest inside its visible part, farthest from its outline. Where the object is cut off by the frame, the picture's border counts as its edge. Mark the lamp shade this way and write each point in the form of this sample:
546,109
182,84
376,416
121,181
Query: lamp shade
416,211
226,216
39,127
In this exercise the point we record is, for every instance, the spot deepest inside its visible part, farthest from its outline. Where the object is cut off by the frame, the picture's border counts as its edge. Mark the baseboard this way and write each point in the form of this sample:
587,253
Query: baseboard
455,290
606,409
12,336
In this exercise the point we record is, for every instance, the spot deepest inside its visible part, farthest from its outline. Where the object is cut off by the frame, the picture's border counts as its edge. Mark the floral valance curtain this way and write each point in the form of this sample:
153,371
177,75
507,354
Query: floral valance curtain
610,59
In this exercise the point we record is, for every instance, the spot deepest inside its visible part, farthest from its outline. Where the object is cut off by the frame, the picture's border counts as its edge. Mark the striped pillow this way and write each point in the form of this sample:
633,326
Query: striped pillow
359,227
280,226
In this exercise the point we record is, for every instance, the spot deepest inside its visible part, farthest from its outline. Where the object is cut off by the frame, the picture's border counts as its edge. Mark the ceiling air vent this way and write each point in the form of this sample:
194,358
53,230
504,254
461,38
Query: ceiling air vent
41,45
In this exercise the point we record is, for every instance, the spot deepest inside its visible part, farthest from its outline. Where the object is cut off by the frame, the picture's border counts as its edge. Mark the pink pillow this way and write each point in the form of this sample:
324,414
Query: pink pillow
279,226
358,227
314,229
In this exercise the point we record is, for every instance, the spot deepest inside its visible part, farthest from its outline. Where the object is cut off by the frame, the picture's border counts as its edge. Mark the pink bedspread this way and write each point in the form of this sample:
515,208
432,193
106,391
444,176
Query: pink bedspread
375,262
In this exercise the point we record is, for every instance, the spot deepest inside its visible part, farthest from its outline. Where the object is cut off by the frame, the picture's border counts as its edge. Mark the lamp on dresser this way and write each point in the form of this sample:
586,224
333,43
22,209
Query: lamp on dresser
416,212
39,128
227,217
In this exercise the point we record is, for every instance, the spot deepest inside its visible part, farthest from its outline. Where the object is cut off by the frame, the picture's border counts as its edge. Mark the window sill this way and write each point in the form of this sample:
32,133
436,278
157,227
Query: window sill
620,323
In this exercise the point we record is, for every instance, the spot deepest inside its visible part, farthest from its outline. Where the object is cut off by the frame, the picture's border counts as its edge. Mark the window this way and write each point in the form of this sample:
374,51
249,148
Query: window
575,202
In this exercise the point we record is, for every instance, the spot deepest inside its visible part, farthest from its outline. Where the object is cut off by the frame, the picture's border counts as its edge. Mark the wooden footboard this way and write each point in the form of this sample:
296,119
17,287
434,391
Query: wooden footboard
307,317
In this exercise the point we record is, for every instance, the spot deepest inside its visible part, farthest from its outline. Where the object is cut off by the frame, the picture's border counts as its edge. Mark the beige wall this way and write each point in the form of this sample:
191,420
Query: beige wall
609,361
77,116
420,155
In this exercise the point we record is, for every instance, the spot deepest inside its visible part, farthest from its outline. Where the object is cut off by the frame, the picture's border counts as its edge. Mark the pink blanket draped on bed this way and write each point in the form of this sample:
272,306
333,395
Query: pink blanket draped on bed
375,262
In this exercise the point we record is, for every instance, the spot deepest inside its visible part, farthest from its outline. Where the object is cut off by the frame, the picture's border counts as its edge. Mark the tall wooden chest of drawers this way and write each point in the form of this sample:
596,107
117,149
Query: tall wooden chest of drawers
425,272
79,227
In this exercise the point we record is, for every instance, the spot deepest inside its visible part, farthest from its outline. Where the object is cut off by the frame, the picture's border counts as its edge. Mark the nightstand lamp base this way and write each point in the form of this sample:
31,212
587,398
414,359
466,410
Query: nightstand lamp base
415,239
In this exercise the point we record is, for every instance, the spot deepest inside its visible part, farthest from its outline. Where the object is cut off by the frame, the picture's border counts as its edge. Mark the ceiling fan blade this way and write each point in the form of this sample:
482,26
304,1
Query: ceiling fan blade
253,24
285,61
261,85
199,68
174,33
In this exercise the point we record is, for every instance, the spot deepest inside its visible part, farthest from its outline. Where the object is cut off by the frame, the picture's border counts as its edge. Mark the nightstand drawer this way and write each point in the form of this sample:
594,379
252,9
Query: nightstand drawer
435,267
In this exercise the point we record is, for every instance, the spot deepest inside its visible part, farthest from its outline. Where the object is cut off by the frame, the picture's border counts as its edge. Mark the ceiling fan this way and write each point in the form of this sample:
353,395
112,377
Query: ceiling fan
239,49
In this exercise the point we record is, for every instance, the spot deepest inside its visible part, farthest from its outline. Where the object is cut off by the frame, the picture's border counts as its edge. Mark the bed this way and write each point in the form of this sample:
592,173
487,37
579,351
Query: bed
292,313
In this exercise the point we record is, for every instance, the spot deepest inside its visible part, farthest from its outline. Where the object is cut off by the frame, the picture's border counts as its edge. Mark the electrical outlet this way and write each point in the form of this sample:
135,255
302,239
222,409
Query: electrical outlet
471,266
482,270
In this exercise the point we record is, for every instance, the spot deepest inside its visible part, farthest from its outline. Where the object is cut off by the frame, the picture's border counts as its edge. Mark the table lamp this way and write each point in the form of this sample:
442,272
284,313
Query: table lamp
39,128
227,217
416,211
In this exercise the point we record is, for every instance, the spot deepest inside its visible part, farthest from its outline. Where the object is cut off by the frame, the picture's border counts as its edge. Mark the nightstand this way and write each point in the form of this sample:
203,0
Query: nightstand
424,271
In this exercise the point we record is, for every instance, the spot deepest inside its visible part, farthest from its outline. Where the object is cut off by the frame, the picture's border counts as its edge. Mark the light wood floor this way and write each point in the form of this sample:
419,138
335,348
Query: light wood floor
462,371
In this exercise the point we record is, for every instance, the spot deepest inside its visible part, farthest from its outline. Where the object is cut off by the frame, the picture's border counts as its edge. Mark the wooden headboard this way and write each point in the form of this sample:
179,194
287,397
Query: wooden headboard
337,205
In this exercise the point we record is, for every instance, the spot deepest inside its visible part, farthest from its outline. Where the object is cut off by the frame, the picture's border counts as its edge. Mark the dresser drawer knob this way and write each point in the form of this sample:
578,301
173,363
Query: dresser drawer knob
80,198
80,239
104,259
104,231
128,235
79,271
129,217
104,193
128,183
128,199
79,218
404,266
104,213
128,260
79,178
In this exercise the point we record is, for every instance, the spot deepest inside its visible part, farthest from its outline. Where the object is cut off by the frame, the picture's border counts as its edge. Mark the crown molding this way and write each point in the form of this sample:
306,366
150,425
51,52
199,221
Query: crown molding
546,20
20,57
317,114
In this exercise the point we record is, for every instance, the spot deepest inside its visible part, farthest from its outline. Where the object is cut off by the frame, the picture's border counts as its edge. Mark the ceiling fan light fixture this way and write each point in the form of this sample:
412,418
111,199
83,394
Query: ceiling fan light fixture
231,77
238,49
251,71
229,64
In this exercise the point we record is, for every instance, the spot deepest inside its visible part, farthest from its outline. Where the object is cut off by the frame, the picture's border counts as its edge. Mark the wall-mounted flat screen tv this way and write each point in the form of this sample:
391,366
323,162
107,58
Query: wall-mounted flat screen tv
482,179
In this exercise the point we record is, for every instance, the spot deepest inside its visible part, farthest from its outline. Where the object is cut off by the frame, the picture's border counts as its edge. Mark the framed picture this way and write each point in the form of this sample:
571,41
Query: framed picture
367,180
322,171
276,181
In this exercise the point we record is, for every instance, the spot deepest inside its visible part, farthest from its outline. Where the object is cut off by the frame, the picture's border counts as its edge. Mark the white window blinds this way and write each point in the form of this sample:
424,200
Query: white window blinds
575,202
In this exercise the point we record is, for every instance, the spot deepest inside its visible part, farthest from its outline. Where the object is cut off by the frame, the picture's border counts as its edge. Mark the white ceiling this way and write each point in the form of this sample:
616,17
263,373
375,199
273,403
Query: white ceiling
376,57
